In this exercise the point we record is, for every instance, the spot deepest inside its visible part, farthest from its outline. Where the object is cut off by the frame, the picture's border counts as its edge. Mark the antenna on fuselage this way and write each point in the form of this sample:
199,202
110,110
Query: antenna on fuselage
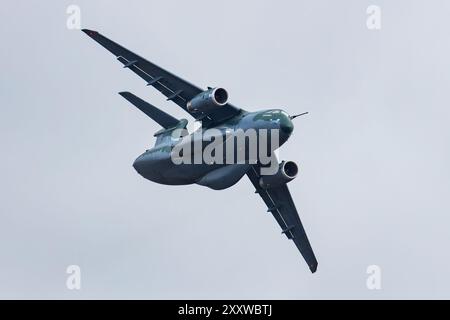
297,115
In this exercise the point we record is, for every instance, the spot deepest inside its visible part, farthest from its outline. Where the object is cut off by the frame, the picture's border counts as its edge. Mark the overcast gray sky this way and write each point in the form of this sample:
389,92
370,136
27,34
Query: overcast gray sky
373,152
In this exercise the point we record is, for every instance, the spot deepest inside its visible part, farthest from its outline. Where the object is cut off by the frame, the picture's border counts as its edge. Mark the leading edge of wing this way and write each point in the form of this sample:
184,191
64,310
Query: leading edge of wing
173,87
189,90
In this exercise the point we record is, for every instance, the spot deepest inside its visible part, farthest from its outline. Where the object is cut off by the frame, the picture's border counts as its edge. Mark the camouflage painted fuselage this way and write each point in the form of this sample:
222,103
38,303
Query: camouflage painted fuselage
156,164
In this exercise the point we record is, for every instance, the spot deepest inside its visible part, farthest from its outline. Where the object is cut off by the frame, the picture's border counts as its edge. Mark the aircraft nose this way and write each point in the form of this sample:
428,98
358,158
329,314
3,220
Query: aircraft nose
137,164
286,125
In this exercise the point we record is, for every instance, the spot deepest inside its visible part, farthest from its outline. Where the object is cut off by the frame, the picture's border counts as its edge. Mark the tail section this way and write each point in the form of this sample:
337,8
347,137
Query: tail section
165,120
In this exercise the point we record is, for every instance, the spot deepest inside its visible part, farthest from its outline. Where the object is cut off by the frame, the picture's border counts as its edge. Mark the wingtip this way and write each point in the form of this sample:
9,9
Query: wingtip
124,93
313,268
89,32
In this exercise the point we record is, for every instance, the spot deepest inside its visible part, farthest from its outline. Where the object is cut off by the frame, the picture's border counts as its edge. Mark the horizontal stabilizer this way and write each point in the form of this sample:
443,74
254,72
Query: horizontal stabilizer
164,119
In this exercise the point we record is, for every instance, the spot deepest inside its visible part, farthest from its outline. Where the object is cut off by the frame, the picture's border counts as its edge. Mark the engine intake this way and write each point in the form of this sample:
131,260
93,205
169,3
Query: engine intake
287,171
209,99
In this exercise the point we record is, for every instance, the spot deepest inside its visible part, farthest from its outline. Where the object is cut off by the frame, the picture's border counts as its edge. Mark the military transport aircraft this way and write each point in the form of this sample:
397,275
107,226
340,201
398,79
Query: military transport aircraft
212,108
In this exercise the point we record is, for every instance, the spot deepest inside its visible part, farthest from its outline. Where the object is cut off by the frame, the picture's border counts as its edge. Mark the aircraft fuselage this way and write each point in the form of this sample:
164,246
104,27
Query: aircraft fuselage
156,164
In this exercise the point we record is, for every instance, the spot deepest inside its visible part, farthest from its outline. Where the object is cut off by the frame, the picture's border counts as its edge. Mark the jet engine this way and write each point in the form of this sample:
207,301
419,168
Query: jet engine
287,171
209,99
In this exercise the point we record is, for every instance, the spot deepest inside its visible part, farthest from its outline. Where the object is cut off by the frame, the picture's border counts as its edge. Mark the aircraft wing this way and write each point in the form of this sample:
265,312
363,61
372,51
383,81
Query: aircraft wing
170,85
281,205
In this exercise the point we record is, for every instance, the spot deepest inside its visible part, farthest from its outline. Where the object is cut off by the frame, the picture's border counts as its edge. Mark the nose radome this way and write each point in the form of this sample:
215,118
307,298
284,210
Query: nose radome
137,164
286,124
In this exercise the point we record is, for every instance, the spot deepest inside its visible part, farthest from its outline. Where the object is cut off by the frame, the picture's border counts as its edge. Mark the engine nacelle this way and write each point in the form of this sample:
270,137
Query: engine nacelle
287,171
209,99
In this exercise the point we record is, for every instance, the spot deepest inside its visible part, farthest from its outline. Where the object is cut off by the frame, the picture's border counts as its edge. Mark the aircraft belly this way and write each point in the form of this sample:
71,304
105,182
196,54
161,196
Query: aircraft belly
224,177
186,173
